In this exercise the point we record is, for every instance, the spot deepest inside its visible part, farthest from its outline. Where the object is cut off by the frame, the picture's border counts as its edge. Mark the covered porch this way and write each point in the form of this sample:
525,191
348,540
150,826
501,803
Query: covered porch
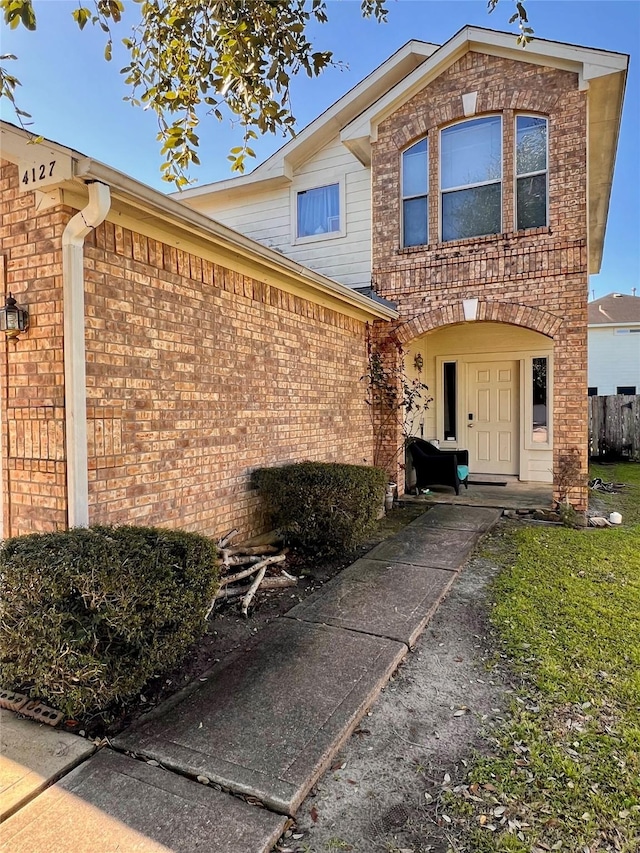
506,493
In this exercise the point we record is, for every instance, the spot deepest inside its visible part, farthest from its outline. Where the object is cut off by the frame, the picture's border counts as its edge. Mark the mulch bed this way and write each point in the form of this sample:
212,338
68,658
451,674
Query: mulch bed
228,630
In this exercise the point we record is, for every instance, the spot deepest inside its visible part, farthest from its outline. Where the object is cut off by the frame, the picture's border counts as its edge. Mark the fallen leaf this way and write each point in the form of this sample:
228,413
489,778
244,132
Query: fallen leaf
314,814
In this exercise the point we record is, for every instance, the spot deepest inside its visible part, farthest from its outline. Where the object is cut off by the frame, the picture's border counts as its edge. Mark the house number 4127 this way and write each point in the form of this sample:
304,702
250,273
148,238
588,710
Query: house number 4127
38,173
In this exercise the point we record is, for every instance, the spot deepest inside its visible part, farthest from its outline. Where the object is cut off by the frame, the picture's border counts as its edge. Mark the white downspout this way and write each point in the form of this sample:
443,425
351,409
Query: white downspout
74,350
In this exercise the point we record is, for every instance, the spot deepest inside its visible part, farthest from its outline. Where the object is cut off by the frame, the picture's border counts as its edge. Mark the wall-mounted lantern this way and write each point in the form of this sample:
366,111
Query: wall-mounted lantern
418,362
13,320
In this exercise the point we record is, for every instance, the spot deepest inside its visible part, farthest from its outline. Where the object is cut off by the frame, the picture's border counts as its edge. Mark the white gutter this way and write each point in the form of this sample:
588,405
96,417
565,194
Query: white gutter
74,350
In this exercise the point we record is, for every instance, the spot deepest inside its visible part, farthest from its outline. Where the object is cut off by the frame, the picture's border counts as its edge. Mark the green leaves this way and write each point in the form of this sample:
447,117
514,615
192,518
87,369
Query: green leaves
190,59
81,16
18,12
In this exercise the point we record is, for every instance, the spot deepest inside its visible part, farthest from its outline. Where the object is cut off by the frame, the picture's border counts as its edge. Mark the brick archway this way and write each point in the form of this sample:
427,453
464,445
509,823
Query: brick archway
487,311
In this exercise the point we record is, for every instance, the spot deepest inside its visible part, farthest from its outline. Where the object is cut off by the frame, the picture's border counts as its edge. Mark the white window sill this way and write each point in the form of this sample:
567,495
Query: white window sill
318,238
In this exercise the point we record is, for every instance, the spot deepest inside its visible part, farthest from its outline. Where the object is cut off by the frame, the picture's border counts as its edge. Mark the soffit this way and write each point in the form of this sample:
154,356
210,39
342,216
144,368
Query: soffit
147,211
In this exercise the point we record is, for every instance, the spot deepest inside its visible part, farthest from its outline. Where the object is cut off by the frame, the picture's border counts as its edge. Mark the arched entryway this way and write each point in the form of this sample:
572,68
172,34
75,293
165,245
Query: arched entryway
492,389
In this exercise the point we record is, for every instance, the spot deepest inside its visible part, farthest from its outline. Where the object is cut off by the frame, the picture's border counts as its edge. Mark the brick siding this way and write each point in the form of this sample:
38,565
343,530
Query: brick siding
536,278
196,375
32,369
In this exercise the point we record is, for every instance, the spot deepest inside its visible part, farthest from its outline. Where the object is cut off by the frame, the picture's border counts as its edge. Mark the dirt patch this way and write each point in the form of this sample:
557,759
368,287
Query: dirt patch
228,630
387,788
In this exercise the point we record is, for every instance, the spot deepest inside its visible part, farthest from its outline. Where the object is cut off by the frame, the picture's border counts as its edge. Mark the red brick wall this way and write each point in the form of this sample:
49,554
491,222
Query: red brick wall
196,375
32,369
543,268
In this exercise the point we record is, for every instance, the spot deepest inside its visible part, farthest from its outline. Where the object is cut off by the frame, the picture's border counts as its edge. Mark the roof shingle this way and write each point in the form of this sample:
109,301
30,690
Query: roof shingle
615,308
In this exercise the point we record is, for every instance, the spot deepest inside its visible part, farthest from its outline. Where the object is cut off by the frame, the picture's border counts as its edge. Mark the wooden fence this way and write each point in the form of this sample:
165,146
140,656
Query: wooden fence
614,426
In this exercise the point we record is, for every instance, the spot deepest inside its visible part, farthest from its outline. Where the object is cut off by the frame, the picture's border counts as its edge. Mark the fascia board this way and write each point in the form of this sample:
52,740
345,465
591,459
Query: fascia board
590,63
605,97
613,325
327,125
152,206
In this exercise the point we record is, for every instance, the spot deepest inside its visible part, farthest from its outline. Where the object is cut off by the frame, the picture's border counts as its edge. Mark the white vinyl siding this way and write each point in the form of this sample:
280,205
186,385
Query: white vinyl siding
614,359
269,216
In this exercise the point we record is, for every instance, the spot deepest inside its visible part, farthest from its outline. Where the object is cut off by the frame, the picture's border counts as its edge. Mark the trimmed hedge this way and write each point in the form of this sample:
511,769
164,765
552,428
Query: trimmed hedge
323,508
88,616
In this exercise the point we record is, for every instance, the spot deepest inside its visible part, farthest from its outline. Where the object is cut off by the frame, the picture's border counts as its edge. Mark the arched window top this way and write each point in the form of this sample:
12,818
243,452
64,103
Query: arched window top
471,178
471,152
531,163
415,194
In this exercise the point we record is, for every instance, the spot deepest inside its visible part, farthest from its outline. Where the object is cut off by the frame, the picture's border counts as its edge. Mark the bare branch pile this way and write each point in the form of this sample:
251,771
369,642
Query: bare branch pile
250,562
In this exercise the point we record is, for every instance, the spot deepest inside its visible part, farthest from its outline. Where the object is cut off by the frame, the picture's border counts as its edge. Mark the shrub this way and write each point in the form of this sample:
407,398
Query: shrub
323,508
87,616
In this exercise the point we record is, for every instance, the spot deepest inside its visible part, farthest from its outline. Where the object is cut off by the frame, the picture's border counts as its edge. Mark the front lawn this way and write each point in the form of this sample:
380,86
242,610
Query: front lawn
565,769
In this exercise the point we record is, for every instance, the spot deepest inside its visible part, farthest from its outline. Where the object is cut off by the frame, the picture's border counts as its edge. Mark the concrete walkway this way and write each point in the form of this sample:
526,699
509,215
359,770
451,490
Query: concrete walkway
266,723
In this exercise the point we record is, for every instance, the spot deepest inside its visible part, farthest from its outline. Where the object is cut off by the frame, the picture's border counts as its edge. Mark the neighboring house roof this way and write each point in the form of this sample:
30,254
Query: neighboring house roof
615,309
357,115
140,208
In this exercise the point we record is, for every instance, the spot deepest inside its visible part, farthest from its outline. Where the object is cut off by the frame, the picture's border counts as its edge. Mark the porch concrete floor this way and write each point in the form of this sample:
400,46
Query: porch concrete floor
515,495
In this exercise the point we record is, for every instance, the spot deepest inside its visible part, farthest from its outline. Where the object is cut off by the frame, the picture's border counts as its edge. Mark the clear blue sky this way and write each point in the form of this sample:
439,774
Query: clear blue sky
75,97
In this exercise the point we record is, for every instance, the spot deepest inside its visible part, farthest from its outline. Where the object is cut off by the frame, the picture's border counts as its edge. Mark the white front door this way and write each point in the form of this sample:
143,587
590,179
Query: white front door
492,417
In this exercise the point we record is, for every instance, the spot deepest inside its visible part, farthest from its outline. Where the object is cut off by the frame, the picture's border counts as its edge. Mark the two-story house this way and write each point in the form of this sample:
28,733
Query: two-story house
614,345
469,184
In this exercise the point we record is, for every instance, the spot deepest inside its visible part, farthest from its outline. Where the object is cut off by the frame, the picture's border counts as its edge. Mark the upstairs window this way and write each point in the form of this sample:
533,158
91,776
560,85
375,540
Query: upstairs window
415,194
531,172
318,211
471,178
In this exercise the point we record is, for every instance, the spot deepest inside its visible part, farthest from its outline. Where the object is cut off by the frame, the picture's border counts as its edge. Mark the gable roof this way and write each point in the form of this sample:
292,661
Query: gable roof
279,167
615,309
356,116
140,208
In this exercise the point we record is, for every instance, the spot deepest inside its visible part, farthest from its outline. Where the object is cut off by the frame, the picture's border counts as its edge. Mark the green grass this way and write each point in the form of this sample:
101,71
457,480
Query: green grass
566,766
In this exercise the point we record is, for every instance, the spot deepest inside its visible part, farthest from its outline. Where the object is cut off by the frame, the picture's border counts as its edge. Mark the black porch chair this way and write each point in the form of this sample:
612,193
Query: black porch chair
435,467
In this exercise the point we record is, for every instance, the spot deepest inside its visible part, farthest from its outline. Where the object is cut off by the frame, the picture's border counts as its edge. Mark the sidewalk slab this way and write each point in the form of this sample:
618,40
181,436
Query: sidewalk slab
268,720
438,547
114,803
32,757
392,600
473,518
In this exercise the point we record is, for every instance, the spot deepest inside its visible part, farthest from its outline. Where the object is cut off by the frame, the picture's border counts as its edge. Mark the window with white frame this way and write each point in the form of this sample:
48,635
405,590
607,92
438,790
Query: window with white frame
471,178
318,211
450,399
415,194
540,400
531,172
